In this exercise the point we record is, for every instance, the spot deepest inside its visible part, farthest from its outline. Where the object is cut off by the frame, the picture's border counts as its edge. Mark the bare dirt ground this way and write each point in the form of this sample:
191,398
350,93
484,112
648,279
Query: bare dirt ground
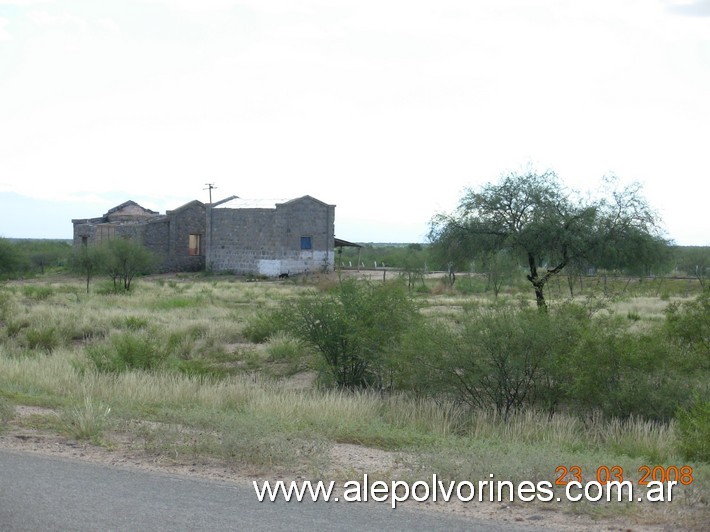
347,462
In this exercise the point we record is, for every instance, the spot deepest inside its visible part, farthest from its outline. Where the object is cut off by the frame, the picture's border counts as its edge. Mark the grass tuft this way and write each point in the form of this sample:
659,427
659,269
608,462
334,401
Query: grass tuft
86,421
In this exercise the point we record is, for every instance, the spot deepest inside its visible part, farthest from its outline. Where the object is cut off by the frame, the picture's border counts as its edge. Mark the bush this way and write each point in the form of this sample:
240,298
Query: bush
693,425
125,259
689,325
42,338
507,359
126,351
621,373
356,329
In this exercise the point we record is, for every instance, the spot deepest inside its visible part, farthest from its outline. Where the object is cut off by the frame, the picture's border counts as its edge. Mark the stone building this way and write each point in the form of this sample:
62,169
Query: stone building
290,237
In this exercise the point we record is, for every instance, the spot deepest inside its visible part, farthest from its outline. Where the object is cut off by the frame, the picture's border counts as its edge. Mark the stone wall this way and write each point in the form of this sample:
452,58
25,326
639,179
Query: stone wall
185,221
268,241
167,236
259,241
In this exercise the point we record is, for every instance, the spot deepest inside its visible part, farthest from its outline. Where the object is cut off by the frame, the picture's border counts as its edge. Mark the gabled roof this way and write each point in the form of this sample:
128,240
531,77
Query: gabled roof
304,198
129,203
186,206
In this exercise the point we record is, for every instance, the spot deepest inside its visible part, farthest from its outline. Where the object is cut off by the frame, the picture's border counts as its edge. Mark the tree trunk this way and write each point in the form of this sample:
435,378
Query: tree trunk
538,284
540,297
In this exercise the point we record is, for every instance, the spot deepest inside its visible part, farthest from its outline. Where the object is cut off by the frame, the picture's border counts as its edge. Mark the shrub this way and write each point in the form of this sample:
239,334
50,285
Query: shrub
689,324
126,351
506,359
693,425
125,259
42,338
621,373
356,329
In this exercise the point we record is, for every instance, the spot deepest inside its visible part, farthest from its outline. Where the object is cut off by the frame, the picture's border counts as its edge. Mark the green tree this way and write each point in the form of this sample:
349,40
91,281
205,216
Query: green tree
499,267
125,259
88,260
531,214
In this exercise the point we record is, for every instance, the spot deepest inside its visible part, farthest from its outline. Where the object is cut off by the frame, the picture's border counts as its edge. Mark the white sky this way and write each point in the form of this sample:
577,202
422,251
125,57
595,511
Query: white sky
386,108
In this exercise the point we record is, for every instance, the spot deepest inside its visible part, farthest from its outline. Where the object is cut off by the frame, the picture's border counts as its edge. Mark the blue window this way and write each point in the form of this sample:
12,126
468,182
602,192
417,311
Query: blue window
306,242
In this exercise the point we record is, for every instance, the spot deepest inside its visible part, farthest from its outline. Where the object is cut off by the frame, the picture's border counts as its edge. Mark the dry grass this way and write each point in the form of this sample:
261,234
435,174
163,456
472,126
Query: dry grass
267,424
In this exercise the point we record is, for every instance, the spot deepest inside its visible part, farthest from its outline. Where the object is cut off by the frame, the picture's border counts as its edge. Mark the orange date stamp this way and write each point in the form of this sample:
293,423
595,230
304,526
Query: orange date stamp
603,474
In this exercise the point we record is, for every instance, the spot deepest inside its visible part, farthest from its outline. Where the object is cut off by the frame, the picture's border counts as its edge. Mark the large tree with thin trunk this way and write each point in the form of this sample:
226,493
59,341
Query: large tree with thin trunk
532,214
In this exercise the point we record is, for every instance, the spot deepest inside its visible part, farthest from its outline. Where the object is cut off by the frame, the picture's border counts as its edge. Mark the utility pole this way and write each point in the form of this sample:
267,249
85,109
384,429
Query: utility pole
208,258
210,186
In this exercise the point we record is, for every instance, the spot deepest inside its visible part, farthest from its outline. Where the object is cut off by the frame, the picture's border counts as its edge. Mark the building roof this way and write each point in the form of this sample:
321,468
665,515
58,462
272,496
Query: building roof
129,203
263,203
186,206
340,243
294,200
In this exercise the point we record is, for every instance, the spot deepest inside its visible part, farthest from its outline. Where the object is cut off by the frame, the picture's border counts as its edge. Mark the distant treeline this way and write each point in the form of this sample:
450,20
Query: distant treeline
687,260
28,257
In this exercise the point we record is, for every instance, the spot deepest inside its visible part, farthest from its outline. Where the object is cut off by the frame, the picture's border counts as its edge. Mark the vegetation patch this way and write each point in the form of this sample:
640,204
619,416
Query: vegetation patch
456,384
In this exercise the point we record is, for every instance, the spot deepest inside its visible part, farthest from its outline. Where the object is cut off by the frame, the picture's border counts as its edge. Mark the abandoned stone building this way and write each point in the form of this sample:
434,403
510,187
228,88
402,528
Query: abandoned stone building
288,237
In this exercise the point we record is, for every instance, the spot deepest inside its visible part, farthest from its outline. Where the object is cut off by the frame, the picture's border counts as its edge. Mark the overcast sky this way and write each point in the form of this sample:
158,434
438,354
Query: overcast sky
385,108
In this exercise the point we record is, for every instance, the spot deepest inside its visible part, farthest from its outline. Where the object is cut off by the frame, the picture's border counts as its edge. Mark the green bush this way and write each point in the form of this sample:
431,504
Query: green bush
621,373
126,351
356,329
506,359
125,259
42,338
689,325
693,425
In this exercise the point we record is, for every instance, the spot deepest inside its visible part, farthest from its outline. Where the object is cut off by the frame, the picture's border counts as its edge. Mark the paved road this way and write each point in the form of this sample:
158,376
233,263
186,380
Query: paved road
46,493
